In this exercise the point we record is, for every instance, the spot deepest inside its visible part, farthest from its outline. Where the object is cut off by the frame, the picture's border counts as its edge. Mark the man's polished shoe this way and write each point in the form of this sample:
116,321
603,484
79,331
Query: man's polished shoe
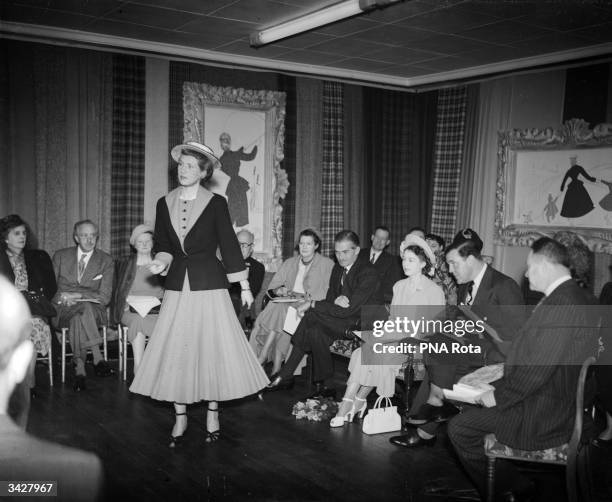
412,440
279,383
79,383
429,413
102,369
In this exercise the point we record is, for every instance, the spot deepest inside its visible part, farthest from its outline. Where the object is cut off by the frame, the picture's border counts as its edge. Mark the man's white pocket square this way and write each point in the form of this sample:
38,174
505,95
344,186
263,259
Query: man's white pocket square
97,277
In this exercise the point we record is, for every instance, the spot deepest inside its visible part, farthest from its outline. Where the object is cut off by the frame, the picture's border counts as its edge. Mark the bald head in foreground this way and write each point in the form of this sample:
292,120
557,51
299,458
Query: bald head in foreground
23,457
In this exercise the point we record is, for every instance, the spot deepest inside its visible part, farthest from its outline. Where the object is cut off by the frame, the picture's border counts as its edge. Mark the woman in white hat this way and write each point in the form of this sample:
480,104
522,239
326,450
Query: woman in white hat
416,290
198,350
138,292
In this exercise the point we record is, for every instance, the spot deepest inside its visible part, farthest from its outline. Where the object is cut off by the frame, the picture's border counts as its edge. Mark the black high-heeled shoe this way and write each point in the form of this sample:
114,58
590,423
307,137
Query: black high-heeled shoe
212,436
177,440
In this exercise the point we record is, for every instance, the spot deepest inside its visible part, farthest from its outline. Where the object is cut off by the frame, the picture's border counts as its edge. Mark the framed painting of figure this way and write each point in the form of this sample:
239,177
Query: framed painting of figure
550,180
245,129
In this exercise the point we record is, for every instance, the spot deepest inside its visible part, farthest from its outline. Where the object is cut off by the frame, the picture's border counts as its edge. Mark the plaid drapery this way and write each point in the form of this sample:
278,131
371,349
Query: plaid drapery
332,182
448,155
127,162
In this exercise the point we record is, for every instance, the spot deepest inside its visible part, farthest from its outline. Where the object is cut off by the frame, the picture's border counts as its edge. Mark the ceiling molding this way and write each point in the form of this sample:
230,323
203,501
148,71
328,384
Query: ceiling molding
85,39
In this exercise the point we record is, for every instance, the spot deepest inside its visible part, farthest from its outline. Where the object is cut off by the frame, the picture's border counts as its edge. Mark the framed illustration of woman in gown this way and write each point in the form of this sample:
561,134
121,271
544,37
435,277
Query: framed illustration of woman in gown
549,181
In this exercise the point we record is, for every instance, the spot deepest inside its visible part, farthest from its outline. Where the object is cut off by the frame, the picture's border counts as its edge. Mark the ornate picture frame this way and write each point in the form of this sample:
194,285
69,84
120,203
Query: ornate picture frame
246,130
550,180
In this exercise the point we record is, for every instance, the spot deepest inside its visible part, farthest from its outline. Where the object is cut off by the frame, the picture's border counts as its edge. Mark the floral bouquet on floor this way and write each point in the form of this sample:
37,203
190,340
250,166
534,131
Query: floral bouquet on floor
316,410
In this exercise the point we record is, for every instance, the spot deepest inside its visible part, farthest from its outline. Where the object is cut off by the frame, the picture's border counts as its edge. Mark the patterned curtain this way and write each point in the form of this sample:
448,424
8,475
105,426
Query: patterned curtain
332,177
127,174
399,137
448,156
56,154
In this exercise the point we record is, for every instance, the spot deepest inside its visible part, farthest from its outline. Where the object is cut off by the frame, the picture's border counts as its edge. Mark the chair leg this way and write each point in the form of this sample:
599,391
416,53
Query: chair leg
64,330
50,355
125,347
490,479
120,346
105,346
571,473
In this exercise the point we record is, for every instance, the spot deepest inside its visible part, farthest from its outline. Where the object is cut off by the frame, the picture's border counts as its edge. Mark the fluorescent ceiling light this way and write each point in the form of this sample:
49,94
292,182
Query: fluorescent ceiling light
316,19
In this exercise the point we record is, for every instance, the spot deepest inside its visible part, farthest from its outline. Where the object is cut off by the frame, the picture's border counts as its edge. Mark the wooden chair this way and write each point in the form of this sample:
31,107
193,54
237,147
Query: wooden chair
66,354
565,454
49,359
123,349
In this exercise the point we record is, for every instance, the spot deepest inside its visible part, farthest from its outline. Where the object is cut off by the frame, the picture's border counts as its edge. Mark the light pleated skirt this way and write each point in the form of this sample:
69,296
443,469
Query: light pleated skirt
198,351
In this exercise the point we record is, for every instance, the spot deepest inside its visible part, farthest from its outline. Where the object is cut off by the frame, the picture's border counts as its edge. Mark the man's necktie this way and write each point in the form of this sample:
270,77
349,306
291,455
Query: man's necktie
373,259
344,272
468,294
81,267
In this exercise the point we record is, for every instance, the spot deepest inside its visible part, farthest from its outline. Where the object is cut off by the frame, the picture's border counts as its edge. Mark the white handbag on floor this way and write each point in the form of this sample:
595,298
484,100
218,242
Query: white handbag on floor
382,419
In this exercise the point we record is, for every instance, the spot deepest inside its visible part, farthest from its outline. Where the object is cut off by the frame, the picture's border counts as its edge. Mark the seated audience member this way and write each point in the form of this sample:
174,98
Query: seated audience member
137,293
30,270
22,457
441,275
492,295
305,276
84,287
385,263
416,290
352,285
256,273
535,399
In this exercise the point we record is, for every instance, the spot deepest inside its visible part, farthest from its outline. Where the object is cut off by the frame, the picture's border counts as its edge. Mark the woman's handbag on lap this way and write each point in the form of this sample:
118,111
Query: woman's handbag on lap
382,419
39,304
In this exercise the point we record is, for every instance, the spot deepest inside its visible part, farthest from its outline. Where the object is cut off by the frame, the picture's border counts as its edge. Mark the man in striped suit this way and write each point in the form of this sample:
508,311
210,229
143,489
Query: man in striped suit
535,398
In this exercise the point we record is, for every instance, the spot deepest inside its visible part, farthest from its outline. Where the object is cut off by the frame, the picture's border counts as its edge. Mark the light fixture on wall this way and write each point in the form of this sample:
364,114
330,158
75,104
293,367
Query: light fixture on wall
327,15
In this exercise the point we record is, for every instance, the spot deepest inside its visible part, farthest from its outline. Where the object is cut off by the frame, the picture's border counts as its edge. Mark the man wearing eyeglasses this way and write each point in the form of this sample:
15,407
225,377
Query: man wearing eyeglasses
353,284
256,273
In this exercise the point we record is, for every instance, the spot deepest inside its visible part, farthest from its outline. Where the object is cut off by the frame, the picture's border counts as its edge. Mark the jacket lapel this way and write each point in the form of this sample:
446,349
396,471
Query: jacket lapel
93,265
199,204
484,289
172,201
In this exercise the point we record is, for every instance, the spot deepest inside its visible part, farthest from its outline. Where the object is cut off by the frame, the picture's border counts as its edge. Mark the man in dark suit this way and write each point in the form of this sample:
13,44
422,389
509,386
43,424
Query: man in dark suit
256,273
493,296
84,287
22,457
353,284
386,264
536,396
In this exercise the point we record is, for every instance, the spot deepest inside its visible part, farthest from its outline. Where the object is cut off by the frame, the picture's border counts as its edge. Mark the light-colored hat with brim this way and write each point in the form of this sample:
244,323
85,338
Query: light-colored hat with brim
138,231
193,146
415,240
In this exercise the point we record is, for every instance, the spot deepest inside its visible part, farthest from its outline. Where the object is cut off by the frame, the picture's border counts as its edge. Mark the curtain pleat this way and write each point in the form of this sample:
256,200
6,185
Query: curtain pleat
354,161
287,85
448,156
309,154
332,179
469,157
128,151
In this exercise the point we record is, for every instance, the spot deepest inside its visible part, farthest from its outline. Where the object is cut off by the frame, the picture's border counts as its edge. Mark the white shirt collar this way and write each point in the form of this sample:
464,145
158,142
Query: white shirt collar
478,279
556,284
374,253
81,253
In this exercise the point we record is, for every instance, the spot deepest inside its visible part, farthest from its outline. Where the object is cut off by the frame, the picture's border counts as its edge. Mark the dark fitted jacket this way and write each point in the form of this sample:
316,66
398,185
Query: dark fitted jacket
389,271
39,269
536,396
500,300
208,229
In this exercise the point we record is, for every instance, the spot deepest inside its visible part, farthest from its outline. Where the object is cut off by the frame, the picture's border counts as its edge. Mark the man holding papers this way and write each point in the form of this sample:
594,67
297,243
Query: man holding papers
352,285
535,398
84,287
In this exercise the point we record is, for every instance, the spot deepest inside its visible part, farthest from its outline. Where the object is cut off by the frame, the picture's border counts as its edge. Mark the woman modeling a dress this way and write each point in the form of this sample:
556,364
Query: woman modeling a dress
198,350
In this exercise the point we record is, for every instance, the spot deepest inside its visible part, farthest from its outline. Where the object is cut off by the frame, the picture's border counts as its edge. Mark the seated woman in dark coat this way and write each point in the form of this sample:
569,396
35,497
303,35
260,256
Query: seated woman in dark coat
28,270
137,293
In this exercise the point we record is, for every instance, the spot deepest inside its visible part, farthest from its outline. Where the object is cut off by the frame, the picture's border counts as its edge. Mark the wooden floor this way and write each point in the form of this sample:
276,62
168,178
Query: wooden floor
264,454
